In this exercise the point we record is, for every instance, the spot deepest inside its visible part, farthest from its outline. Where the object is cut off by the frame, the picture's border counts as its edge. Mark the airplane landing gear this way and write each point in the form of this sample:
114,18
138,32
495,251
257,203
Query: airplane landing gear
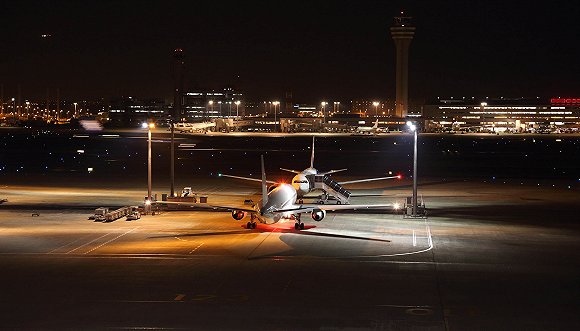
251,225
298,225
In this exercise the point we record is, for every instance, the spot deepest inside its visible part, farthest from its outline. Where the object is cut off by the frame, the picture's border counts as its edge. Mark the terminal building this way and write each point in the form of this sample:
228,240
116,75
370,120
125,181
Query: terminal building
132,112
203,105
502,114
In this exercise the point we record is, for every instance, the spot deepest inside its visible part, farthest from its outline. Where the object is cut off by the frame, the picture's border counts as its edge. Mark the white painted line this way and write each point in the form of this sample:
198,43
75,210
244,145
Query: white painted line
195,249
106,242
63,246
405,306
429,240
90,242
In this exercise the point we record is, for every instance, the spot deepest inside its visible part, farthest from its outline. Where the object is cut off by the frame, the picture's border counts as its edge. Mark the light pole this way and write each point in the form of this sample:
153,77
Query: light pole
376,104
210,107
237,105
275,103
149,126
27,108
323,104
75,115
220,104
413,127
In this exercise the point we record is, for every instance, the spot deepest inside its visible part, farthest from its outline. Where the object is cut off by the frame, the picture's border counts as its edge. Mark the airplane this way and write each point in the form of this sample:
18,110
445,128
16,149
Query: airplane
192,127
369,129
280,203
303,181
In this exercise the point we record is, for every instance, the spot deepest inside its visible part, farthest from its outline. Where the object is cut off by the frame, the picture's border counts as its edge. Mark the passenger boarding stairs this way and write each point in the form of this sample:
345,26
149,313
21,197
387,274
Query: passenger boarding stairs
331,188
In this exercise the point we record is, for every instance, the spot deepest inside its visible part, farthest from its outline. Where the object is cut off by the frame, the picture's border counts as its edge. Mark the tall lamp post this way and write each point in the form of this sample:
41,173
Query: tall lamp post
413,127
323,104
237,105
148,202
210,108
275,103
376,104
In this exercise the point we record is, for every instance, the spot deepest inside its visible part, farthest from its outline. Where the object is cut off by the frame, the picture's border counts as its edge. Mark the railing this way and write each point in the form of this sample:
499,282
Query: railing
335,186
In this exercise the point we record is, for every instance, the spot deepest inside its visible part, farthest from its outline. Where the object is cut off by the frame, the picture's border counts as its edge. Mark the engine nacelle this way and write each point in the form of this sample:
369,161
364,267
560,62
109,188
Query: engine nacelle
238,214
318,214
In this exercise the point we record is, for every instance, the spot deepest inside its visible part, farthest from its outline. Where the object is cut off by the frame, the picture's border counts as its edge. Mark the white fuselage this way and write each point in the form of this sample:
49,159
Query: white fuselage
300,181
280,198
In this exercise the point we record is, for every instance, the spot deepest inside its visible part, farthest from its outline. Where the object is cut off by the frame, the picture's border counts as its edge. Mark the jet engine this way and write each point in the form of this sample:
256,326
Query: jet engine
318,214
238,214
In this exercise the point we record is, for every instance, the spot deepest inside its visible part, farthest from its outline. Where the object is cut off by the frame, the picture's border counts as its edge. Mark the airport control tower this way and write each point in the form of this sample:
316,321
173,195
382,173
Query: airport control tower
178,64
177,111
402,32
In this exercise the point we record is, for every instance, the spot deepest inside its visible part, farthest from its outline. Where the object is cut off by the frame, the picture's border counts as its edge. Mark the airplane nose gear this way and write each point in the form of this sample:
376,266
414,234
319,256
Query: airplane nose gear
251,224
298,225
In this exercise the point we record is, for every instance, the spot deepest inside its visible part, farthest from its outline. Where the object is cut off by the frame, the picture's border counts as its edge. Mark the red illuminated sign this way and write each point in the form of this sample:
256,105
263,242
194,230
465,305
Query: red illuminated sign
565,101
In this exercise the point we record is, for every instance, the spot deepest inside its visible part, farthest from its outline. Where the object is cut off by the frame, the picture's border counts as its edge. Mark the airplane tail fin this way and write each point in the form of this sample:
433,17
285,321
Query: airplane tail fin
264,183
376,124
312,155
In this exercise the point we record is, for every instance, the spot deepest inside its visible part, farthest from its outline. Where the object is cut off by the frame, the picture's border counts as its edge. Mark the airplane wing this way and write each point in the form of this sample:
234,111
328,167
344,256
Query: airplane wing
207,206
290,170
247,178
331,171
368,180
310,208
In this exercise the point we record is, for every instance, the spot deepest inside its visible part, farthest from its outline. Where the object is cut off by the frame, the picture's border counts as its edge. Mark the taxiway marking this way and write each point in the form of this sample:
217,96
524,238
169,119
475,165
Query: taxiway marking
195,249
90,242
109,241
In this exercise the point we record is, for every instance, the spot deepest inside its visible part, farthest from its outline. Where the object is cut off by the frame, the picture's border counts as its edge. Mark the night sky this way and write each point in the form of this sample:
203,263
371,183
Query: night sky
334,50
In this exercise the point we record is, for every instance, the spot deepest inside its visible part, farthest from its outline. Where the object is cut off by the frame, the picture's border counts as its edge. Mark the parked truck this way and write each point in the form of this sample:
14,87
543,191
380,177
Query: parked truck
100,214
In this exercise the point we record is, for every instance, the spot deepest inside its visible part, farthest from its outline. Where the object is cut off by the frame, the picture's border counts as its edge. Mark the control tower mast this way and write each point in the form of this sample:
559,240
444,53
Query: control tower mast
402,33
177,112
